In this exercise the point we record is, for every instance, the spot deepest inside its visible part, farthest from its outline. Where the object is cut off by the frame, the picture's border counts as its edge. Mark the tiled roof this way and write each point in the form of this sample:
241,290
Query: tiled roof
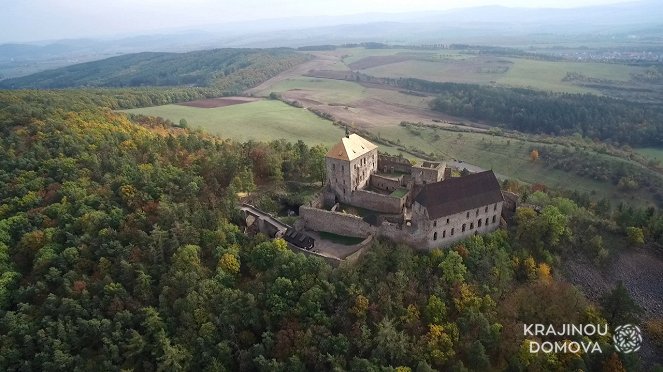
455,195
351,148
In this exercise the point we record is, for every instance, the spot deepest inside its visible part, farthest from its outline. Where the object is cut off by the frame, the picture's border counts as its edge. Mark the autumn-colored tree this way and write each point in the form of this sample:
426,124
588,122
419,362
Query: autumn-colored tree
229,263
534,155
543,272
636,236
361,306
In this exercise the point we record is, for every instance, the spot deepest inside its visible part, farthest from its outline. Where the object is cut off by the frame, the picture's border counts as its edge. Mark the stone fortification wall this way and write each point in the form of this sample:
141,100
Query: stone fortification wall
378,202
330,260
318,200
363,247
386,183
335,222
389,164
403,234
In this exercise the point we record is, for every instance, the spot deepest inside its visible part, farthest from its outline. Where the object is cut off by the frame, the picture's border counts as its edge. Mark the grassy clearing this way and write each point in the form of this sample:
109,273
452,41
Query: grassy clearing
651,152
260,121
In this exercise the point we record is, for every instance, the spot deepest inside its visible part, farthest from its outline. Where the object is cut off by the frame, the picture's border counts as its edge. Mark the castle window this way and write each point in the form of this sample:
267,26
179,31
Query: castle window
435,223
464,227
444,234
487,221
435,236
495,207
486,209
477,212
333,166
471,225
467,215
447,221
344,191
479,222
452,231
494,219
343,168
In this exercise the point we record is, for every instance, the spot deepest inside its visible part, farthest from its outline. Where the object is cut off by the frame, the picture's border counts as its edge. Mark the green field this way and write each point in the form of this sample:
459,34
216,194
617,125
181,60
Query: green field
323,90
651,153
514,72
261,121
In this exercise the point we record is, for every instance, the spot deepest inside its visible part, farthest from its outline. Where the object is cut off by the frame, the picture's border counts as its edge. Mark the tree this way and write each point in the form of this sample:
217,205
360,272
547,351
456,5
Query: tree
391,345
478,359
436,310
619,307
543,272
534,155
636,236
184,123
317,163
453,269
229,263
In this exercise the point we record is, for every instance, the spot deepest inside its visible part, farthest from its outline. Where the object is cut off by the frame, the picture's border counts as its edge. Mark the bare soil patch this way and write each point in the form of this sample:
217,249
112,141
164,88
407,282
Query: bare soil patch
218,102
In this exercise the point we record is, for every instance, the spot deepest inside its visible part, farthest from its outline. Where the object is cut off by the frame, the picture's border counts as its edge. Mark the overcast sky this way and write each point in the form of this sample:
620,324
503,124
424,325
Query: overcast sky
29,20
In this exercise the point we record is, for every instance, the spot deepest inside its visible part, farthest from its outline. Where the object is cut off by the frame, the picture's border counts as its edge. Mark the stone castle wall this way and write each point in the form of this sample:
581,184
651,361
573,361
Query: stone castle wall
335,222
350,225
386,183
378,202
389,164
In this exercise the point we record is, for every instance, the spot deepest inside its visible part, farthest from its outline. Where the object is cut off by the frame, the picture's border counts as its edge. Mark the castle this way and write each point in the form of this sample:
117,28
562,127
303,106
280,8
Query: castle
418,204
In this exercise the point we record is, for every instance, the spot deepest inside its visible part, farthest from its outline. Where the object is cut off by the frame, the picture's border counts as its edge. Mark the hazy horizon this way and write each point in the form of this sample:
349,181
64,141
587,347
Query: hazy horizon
42,20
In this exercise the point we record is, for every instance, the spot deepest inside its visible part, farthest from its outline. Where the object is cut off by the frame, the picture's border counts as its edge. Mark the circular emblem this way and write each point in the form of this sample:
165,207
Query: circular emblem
627,338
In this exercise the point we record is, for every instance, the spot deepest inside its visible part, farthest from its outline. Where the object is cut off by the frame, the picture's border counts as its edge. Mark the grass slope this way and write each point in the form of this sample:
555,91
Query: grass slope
651,153
261,121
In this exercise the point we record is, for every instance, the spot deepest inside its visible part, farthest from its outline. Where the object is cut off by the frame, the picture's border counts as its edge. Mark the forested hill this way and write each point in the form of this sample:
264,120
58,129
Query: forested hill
121,248
228,69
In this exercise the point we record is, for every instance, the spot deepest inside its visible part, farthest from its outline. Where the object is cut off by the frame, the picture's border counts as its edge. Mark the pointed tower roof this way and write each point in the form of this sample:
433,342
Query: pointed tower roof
351,147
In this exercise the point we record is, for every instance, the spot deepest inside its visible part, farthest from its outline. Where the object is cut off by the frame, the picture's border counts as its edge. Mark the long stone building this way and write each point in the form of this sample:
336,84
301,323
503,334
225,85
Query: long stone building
419,204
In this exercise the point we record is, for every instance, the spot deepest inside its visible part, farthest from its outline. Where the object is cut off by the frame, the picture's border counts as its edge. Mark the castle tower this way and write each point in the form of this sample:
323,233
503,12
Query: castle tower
350,164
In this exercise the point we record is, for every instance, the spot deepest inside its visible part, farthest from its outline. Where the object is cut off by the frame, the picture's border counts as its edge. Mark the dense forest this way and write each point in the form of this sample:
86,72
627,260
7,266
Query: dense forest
121,248
608,119
228,69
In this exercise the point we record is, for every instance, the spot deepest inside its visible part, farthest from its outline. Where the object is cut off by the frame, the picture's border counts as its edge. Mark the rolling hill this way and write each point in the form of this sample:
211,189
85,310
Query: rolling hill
228,69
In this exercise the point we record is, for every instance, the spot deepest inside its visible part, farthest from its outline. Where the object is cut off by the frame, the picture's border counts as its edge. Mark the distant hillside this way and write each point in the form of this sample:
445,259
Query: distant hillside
227,69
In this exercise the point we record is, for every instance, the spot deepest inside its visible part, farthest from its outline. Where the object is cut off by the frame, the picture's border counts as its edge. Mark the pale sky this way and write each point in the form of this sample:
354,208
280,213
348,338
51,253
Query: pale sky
29,20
